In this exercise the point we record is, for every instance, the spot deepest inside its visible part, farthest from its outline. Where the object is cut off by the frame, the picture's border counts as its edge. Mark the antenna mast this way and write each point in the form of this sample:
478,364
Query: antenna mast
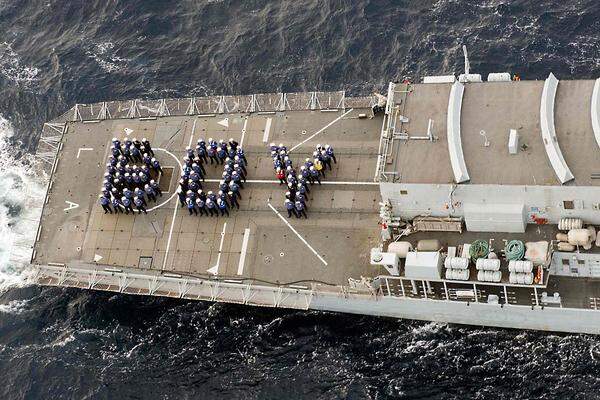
467,64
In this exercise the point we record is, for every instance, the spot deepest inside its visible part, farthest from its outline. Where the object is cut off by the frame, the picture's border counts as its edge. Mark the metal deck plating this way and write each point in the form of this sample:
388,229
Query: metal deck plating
254,245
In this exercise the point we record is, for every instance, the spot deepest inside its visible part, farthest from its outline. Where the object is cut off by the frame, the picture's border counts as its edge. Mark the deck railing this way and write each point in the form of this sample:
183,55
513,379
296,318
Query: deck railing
208,105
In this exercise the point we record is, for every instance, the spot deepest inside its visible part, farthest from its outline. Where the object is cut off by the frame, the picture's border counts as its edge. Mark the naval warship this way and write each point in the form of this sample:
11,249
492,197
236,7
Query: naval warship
458,199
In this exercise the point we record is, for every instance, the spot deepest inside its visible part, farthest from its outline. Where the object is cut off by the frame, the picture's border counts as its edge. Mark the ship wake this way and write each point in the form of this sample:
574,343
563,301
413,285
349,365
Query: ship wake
21,198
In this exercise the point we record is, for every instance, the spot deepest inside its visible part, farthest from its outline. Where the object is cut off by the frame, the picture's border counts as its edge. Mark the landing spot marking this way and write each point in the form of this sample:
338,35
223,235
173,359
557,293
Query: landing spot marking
71,205
244,131
224,122
267,130
174,193
321,130
97,257
174,210
128,131
244,250
334,183
297,234
192,135
215,269
83,149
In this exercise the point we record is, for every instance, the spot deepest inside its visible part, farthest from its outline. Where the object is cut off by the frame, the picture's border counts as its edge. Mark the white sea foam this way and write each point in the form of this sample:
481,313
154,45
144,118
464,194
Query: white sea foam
104,55
12,68
63,340
21,197
428,328
14,307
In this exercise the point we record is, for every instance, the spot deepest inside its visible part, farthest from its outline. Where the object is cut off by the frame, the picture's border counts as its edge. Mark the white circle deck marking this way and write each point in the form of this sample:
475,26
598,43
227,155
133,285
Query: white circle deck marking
174,193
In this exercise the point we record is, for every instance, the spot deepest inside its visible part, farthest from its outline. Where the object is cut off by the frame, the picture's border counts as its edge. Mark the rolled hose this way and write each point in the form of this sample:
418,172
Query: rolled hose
514,250
479,249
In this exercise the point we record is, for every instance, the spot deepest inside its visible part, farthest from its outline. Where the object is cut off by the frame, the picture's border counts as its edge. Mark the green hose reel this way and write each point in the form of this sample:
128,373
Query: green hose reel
479,249
514,250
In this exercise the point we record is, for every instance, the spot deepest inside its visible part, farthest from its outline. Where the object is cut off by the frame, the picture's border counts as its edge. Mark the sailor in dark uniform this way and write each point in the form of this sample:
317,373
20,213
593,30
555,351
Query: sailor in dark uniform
233,200
104,202
139,204
127,204
156,165
156,187
290,208
223,207
146,144
300,209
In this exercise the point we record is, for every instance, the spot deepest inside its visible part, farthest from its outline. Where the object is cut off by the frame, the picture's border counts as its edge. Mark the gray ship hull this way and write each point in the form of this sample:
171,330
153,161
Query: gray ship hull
129,281
551,319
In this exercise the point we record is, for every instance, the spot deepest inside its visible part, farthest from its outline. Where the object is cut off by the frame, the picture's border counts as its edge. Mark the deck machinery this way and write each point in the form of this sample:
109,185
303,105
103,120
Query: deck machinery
463,200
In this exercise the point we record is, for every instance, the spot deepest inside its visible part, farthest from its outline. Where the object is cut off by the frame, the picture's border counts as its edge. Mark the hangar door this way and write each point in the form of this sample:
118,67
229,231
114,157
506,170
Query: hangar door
495,217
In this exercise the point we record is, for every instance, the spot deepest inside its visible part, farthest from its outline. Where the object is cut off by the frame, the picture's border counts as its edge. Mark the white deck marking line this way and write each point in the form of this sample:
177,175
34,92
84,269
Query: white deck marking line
83,149
215,269
323,182
267,130
174,211
174,193
170,236
240,270
297,234
244,131
192,135
321,130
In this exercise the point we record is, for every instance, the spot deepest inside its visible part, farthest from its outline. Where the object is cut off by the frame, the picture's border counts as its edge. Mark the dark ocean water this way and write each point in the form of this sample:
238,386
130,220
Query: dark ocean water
68,344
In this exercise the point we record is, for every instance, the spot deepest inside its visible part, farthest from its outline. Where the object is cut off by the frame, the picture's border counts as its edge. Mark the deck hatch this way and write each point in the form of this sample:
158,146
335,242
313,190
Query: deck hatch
145,262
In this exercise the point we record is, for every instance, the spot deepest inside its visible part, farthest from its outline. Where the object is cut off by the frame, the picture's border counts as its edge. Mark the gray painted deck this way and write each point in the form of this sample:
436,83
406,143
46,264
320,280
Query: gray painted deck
342,224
